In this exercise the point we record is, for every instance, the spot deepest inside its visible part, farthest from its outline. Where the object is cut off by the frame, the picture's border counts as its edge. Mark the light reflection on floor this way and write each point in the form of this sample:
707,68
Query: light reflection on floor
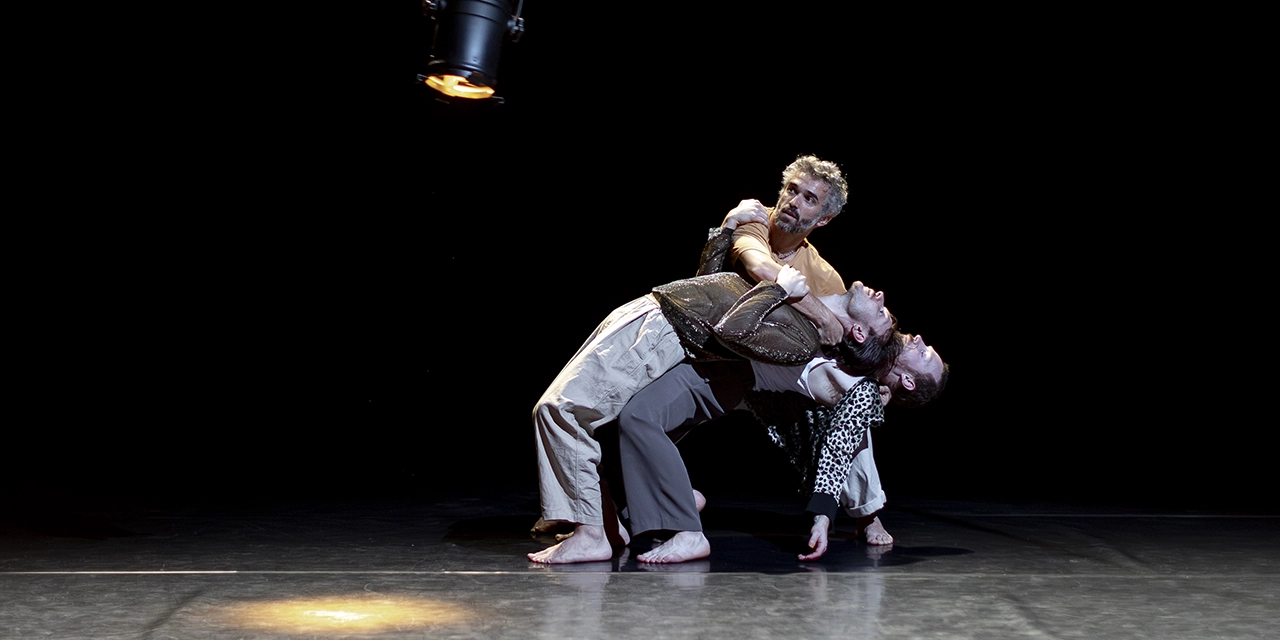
341,614
456,566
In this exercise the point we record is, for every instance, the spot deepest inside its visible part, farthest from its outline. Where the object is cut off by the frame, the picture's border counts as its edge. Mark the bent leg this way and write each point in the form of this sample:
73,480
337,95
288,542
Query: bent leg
659,494
862,496
629,349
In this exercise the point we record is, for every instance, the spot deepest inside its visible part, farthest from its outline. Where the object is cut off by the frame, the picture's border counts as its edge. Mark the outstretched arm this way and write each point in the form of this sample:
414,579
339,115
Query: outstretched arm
817,538
842,429
820,441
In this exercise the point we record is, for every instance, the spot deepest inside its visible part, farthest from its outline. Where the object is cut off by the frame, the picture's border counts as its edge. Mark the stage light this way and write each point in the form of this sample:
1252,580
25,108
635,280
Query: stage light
467,43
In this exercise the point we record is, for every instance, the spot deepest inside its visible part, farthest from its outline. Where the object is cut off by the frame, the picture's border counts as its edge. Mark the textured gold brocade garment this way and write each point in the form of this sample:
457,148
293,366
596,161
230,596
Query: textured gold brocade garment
719,315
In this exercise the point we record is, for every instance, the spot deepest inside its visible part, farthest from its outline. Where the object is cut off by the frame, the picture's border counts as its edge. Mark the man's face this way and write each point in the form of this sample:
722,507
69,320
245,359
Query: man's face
800,204
919,358
866,306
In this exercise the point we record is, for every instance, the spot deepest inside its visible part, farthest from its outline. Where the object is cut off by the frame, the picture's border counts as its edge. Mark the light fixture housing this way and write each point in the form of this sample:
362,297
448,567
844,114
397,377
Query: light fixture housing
467,44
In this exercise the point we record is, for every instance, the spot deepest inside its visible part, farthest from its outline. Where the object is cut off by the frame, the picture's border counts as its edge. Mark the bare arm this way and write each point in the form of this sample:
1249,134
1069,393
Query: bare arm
828,383
720,240
830,331
759,264
763,268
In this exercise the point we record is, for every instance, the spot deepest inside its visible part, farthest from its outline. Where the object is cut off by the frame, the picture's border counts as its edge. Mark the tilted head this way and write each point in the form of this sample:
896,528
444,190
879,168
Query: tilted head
867,313
813,192
919,375
871,358
871,342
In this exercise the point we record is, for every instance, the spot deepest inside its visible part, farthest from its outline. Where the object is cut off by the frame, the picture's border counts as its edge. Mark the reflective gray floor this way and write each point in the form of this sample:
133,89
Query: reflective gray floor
454,567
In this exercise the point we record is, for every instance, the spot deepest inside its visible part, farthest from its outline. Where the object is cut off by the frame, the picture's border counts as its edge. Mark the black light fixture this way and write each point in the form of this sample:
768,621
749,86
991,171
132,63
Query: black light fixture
468,39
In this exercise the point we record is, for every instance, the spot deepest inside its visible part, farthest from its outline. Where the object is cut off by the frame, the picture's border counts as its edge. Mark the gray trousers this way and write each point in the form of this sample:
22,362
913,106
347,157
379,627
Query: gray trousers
655,482
659,495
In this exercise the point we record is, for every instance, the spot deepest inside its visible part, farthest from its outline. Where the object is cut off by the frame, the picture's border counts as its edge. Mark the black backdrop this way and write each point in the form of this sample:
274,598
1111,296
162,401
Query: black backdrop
388,283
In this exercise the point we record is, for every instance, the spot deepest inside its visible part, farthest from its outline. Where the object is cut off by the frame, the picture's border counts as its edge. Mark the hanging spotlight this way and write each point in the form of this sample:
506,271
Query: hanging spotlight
468,39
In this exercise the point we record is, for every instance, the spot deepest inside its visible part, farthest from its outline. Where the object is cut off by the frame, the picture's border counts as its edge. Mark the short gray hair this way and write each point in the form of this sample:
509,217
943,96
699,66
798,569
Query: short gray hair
824,170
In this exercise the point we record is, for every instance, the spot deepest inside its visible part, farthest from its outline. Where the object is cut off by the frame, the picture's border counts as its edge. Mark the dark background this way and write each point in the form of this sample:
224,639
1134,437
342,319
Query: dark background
369,293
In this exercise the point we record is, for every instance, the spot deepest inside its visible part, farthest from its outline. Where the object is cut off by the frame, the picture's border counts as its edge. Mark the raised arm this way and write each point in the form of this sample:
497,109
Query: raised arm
720,239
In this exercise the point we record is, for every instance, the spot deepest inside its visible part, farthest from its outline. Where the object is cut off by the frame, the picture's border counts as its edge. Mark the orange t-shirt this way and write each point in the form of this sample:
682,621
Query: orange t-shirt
822,278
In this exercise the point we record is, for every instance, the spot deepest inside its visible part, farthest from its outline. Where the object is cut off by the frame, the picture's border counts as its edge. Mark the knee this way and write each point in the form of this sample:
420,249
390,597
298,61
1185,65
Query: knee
634,423
545,412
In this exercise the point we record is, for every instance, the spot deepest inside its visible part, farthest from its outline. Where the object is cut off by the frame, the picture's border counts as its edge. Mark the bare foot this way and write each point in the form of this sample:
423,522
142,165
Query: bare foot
875,534
699,500
617,537
551,526
682,547
587,544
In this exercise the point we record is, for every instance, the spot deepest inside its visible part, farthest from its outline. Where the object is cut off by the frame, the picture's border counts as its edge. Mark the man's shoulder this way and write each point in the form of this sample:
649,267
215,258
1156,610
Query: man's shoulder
825,280
751,231
815,258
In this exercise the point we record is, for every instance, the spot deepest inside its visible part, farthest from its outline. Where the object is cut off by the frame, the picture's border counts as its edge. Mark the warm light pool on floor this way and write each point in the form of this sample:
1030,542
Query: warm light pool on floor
342,614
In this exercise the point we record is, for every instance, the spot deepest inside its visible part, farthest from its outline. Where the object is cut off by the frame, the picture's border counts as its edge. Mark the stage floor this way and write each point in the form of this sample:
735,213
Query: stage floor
454,566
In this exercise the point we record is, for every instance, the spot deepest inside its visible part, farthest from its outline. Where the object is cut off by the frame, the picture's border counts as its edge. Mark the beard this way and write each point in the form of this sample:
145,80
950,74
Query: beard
797,227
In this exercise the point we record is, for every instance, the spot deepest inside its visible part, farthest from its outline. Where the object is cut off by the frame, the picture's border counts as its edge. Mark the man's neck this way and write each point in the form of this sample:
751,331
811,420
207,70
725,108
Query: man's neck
839,308
784,244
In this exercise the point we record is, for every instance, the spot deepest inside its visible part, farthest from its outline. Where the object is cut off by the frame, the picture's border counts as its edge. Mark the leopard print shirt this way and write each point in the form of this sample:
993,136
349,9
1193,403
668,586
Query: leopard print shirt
820,442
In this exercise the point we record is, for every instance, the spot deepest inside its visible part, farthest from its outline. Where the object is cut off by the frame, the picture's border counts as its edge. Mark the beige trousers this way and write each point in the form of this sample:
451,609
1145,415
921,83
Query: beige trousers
627,351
